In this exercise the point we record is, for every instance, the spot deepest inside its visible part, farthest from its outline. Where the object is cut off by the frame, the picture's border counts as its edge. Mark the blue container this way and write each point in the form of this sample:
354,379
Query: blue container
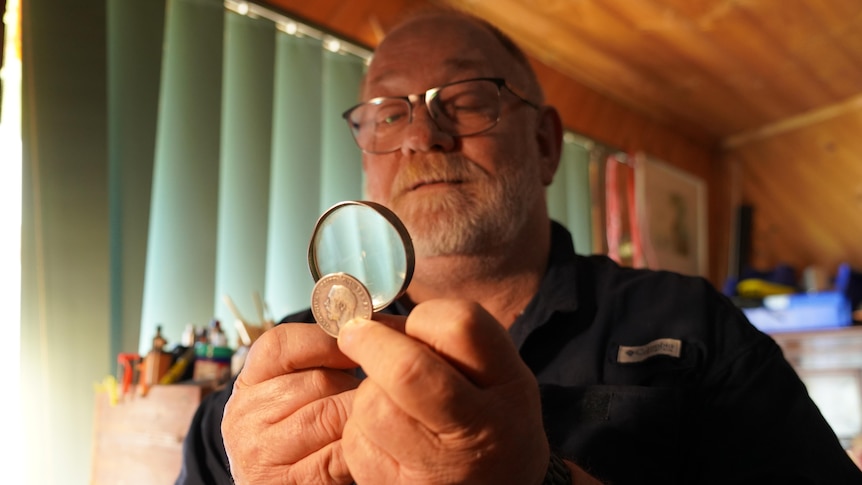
802,311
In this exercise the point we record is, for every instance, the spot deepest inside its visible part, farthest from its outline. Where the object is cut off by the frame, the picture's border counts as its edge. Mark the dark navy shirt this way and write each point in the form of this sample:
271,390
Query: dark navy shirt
645,377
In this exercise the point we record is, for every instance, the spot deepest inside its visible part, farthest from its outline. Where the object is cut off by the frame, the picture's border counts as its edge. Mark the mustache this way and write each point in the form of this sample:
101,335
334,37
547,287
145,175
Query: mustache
435,168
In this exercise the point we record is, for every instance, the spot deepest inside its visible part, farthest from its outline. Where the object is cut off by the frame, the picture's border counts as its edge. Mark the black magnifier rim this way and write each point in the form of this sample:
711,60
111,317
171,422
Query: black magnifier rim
392,219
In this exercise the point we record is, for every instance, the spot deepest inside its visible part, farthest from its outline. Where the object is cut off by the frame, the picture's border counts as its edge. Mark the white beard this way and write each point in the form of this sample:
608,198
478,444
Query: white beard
477,211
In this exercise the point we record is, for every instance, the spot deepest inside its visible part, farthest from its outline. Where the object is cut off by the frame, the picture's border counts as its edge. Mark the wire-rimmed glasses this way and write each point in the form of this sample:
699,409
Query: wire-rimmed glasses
460,108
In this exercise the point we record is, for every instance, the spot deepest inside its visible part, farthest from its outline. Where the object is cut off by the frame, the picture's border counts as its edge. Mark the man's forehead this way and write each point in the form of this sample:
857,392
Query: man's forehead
446,70
439,25
436,49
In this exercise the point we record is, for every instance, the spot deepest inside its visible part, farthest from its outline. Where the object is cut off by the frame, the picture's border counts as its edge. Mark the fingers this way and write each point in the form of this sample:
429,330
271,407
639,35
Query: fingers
276,399
288,409
410,373
438,426
362,446
378,423
286,427
327,462
312,404
395,322
289,347
461,332
469,338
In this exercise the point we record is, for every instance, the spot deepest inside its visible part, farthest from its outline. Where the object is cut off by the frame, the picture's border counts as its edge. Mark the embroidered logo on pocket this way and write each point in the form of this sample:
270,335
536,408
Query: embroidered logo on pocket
663,346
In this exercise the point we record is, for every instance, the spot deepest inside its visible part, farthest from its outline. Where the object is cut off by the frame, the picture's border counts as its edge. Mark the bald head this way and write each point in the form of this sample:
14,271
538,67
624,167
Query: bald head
436,28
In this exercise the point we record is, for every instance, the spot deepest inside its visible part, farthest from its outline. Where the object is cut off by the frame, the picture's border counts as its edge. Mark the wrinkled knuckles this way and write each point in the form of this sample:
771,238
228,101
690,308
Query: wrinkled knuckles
320,382
269,343
329,416
465,320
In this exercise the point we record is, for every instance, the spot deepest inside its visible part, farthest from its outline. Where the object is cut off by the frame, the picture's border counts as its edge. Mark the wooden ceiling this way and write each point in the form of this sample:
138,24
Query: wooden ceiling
717,70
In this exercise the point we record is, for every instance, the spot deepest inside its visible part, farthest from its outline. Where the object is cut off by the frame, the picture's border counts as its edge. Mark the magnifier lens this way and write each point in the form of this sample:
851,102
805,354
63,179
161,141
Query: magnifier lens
368,243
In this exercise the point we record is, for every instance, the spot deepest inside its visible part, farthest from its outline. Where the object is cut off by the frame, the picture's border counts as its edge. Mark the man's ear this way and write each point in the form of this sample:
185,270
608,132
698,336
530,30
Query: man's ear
549,139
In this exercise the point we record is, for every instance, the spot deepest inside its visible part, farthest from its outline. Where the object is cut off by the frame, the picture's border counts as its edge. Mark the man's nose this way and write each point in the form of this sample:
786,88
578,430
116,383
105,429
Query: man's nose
423,134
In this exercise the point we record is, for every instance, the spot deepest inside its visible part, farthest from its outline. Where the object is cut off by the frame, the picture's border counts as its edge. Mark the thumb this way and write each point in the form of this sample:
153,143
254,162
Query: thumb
470,338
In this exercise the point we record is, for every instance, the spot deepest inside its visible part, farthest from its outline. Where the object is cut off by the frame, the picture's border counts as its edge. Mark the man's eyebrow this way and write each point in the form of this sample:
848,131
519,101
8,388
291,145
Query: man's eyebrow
452,65
465,64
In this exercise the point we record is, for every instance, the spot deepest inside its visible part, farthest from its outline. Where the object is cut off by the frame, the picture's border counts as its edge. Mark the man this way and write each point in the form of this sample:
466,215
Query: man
518,362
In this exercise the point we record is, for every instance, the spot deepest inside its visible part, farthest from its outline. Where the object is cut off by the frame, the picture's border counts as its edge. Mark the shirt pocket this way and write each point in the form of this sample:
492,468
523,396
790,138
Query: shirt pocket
627,434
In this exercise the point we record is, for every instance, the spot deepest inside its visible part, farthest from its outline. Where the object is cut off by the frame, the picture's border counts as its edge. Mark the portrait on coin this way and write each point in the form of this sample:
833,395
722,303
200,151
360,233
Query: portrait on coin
340,305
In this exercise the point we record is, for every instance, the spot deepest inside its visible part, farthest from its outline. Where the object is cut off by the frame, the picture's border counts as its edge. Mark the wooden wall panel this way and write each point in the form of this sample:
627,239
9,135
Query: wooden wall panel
711,66
806,189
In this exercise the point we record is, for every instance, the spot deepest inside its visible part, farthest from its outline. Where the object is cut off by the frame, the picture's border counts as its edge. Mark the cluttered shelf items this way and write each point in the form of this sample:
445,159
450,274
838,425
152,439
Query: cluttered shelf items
203,357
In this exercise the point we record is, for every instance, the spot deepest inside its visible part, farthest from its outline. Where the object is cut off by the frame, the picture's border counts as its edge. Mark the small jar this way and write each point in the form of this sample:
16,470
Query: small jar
212,363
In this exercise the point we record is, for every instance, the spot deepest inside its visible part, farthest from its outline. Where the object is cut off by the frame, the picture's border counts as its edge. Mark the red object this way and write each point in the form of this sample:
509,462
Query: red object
625,167
126,362
638,260
612,211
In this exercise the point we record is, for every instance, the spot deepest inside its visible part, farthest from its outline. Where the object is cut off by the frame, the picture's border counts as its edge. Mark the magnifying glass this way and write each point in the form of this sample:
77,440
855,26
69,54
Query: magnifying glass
361,258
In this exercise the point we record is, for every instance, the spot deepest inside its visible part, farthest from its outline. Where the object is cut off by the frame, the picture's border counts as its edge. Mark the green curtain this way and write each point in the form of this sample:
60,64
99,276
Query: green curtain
250,149
340,164
569,199
134,64
180,268
65,330
243,205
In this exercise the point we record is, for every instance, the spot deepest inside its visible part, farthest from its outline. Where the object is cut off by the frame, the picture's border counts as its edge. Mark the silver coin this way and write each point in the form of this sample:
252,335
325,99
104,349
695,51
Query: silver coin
337,298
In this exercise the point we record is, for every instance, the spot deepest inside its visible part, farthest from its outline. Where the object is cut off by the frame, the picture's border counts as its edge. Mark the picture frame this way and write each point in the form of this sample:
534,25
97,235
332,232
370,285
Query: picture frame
672,216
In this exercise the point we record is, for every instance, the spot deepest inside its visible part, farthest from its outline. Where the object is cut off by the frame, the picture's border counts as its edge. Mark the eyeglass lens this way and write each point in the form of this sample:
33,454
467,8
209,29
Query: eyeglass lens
460,109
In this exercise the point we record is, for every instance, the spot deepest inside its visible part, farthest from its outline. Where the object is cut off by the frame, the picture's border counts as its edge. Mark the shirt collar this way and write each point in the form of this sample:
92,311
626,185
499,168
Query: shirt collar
557,291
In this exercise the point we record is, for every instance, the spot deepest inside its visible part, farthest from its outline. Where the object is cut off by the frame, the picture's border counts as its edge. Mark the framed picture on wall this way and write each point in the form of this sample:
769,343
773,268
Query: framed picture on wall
673,217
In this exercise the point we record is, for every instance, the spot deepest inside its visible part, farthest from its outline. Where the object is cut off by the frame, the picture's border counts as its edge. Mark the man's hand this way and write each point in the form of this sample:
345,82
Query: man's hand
448,400
284,420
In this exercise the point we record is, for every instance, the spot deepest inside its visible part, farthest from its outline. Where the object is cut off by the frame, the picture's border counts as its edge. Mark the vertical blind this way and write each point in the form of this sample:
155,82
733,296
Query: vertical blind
250,148
570,195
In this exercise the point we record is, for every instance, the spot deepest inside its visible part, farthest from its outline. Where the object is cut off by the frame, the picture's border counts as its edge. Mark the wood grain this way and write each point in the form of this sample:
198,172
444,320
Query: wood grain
806,188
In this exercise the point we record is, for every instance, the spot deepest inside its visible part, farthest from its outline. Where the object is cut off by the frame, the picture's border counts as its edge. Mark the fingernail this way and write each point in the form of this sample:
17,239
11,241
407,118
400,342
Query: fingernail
345,334
348,327
353,323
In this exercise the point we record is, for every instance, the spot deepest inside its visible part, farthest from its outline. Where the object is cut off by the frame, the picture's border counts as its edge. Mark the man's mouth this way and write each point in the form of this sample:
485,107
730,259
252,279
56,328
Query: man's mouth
433,182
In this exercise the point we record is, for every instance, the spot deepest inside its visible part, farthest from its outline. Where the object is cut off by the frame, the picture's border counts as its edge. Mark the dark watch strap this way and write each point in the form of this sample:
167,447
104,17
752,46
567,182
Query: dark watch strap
558,472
